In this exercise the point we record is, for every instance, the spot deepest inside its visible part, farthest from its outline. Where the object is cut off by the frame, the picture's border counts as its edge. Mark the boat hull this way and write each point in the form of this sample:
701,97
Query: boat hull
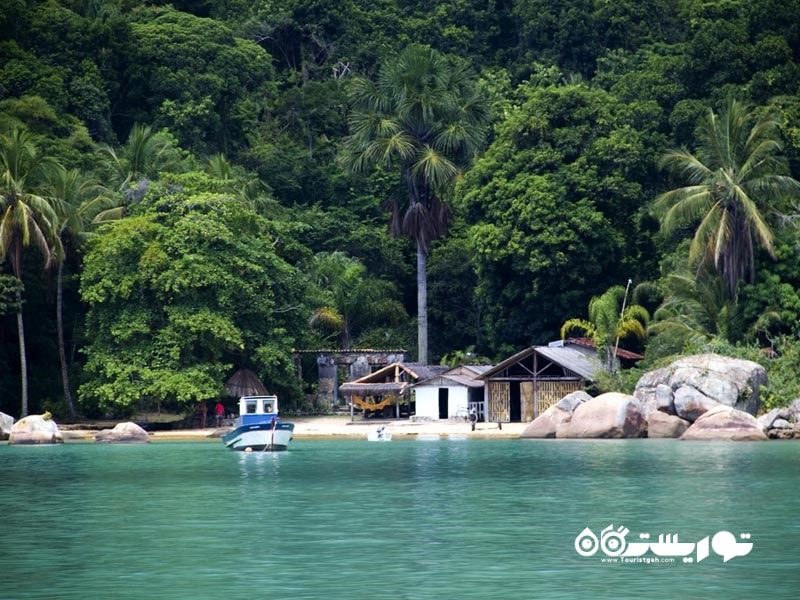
260,437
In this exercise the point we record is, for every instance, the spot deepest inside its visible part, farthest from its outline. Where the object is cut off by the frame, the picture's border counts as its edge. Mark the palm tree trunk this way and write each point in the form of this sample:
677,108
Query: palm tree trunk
62,355
422,305
23,362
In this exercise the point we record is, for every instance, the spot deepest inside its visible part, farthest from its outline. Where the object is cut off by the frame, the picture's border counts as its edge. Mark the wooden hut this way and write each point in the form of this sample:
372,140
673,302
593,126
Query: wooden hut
387,392
523,386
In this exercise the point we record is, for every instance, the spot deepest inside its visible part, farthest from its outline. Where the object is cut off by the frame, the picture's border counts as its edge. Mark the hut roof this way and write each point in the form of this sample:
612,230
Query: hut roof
446,380
245,383
566,358
464,375
391,379
587,343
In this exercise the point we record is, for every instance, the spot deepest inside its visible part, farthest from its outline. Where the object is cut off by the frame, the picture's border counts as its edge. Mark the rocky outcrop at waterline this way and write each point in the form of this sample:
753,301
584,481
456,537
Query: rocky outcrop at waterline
700,397
123,433
610,415
35,429
547,423
662,425
695,384
725,423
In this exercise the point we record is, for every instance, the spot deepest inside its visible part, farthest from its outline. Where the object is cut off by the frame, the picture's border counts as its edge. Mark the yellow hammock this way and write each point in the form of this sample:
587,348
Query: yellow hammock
372,406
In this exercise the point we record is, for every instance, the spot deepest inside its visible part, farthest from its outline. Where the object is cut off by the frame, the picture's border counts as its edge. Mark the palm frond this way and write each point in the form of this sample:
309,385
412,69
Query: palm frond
585,327
434,167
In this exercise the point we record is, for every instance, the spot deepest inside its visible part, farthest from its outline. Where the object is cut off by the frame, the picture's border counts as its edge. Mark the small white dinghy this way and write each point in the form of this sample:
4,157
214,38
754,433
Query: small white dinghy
379,435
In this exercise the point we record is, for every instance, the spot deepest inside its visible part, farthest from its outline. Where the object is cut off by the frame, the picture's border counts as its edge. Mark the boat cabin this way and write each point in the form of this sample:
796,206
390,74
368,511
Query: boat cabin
257,409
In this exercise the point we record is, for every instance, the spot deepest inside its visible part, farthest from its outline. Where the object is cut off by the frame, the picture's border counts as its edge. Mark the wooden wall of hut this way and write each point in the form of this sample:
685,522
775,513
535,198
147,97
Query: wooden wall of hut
535,397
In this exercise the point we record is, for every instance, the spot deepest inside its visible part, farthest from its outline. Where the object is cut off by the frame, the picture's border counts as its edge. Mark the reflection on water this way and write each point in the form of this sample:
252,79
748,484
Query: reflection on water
409,519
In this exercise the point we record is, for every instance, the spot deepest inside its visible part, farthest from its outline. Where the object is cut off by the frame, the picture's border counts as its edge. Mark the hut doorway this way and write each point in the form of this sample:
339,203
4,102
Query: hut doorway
515,403
444,403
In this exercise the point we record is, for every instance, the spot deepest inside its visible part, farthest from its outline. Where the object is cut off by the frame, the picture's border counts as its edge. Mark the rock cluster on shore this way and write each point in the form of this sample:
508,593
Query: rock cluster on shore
700,397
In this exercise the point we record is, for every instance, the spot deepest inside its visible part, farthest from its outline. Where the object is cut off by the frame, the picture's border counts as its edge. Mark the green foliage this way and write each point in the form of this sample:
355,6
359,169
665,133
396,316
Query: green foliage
455,312
192,76
783,385
180,292
350,301
11,290
547,207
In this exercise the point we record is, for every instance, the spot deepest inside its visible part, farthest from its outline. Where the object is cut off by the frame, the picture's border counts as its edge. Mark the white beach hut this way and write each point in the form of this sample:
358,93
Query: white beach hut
451,394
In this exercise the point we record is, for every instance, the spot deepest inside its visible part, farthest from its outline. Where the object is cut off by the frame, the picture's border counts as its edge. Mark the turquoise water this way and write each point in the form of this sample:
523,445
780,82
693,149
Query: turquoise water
408,519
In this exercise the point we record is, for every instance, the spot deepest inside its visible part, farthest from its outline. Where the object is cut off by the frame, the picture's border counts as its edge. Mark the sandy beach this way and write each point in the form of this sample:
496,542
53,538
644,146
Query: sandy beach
341,426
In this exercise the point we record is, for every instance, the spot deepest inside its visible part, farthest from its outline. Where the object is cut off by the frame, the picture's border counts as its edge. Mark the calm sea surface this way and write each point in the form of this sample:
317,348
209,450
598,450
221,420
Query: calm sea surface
409,519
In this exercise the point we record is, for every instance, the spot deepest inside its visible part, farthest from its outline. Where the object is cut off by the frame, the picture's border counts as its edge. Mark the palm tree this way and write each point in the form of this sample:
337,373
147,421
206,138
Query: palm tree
77,200
27,218
350,299
735,176
696,310
609,321
140,159
425,117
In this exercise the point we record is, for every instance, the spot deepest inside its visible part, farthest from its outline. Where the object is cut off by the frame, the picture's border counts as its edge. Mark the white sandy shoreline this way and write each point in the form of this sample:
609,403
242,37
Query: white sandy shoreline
341,427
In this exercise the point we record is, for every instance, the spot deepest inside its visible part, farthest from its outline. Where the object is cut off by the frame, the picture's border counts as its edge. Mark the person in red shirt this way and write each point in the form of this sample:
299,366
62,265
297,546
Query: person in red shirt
219,411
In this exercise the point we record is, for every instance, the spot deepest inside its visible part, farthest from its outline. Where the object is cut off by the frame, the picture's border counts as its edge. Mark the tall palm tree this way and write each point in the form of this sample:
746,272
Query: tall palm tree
77,200
735,176
609,321
425,117
27,218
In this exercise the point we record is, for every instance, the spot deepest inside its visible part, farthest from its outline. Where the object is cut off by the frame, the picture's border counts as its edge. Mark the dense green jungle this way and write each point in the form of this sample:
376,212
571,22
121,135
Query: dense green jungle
194,187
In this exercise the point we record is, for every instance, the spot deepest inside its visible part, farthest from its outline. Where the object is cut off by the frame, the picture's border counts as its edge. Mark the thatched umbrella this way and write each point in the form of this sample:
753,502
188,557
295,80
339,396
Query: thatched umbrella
245,383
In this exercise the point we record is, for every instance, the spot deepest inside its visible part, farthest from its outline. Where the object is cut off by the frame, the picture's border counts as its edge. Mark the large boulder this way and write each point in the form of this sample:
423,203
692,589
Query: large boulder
611,415
730,381
35,429
662,425
689,403
123,433
725,423
6,424
546,424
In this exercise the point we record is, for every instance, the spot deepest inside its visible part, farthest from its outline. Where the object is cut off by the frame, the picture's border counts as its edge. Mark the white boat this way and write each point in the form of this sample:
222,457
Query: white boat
379,435
258,427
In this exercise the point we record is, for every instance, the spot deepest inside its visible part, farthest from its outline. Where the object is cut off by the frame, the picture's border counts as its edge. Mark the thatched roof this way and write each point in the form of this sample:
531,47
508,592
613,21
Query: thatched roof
245,383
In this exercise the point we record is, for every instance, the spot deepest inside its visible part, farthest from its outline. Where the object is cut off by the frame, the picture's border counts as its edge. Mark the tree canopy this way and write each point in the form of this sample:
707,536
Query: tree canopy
243,154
